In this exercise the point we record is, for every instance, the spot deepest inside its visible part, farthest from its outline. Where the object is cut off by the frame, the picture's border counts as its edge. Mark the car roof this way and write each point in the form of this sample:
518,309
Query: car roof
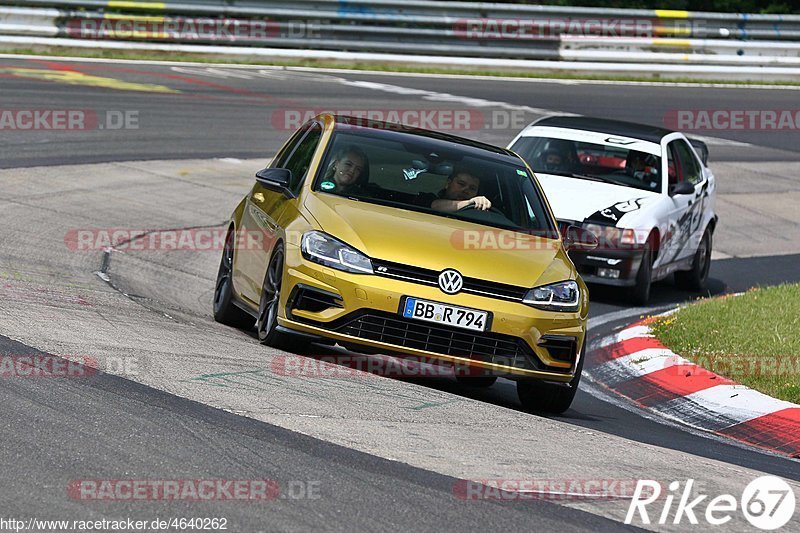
394,131
601,125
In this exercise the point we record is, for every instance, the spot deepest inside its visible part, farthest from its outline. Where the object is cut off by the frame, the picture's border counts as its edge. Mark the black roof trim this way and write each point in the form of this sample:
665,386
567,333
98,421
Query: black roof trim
603,125
391,127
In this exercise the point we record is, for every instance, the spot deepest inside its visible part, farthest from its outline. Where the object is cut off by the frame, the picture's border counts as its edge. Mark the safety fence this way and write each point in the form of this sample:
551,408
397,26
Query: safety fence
487,33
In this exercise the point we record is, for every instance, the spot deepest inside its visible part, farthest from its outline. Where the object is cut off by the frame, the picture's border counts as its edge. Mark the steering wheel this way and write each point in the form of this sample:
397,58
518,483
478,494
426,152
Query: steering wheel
491,209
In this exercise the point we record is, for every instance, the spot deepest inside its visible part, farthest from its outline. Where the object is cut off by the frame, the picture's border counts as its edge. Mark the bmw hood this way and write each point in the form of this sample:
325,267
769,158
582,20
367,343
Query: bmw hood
436,242
577,199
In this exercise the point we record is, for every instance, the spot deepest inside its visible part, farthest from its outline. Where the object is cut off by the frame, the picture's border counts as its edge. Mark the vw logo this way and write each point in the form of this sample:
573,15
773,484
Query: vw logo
450,281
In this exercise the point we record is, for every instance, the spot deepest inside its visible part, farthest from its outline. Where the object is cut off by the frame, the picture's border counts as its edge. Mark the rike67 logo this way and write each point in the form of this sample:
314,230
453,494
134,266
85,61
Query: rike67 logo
768,503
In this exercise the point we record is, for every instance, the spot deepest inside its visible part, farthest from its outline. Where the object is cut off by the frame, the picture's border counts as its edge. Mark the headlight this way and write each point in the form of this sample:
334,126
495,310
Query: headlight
563,296
611,237
321,248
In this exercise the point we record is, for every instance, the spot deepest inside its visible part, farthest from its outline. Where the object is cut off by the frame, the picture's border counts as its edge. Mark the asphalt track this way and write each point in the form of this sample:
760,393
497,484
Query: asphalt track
110,427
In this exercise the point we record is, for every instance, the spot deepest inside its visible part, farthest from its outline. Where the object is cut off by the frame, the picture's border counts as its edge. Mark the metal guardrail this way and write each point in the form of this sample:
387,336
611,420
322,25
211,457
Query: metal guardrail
456,29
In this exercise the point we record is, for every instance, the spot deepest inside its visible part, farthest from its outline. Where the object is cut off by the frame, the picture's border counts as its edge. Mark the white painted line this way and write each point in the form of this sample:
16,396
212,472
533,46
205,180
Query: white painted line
647,361
594,388
624,335
738,402
625,313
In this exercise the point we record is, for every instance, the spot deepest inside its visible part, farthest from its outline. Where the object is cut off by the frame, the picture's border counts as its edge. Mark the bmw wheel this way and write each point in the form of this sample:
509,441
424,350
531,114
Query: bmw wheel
639,294
696,279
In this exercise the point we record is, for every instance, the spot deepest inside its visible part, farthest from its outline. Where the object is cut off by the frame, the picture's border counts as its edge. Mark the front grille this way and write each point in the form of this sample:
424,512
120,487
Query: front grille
393,329
426,276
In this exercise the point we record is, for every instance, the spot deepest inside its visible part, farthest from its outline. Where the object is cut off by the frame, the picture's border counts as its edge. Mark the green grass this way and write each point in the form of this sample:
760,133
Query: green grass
753,338
374,66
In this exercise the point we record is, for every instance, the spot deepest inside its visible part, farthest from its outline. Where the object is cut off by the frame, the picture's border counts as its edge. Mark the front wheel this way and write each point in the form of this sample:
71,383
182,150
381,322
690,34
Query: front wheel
639,294
224,309
539,396
696,279
269,304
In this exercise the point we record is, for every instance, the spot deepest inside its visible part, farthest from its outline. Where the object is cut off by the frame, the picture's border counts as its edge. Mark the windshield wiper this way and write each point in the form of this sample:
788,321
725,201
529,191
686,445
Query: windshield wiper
591,177
578,175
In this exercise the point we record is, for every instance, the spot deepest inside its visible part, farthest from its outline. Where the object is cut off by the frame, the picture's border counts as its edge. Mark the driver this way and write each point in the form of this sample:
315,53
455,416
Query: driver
461,191
638,164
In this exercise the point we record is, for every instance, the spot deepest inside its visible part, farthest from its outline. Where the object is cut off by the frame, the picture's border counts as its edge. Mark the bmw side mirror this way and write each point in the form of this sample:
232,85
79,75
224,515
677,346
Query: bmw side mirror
683,187
276,179
579,239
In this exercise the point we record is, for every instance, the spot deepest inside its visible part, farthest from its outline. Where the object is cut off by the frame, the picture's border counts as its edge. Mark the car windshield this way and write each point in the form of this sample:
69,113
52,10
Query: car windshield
612,163
433,176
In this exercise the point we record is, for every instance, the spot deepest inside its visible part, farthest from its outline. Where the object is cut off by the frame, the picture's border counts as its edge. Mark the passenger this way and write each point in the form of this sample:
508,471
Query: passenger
554,160
461,191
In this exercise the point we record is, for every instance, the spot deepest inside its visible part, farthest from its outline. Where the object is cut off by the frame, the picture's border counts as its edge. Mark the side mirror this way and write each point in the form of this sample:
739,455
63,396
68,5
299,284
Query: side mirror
579,239
683,187
276,179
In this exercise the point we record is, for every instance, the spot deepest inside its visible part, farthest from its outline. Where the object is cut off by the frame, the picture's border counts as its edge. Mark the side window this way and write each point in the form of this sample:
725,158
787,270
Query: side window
288,148
691,169
300,159
673,172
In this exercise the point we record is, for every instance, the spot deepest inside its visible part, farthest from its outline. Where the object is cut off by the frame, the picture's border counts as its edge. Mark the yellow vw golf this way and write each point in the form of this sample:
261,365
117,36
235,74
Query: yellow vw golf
385,238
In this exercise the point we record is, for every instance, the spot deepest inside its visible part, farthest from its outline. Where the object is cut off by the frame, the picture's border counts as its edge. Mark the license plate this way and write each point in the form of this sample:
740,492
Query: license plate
449,315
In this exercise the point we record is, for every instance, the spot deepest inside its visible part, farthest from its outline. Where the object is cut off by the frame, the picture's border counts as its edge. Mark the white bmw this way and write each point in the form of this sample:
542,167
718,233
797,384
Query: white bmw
645,192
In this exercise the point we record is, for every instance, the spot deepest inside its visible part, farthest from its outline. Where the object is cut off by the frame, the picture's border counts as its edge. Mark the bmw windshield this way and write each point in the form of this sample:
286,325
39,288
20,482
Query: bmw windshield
611,163
436,176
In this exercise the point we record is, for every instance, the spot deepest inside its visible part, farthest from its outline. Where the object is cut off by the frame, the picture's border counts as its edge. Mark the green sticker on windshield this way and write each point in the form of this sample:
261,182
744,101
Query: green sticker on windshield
327,185
522,173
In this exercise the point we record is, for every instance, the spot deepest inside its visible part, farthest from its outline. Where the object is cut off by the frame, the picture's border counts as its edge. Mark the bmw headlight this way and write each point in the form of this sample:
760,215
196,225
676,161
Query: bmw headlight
563,296
321,248
611,237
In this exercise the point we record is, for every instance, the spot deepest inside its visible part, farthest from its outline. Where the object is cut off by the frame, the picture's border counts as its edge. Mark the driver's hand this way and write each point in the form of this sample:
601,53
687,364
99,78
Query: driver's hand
482,203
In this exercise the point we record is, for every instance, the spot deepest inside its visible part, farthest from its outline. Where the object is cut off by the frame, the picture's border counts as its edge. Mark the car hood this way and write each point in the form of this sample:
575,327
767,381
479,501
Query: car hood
577,199
435,242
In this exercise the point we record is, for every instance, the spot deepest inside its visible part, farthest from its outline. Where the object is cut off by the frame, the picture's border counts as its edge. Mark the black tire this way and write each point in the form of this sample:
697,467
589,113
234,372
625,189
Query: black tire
639,294
696,279
541,397
269,303
225,311
479,382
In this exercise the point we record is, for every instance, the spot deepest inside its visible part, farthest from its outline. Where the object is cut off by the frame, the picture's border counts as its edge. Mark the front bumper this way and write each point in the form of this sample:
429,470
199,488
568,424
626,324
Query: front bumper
363,311
617,268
